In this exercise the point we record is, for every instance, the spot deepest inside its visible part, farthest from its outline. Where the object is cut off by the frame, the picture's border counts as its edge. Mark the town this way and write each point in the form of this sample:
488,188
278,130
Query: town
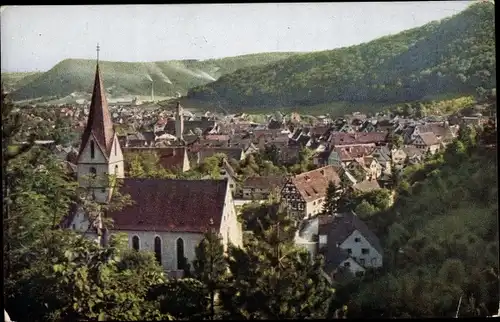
159,209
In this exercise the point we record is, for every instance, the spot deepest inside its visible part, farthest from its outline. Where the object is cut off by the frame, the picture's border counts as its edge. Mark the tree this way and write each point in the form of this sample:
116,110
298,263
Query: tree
74,278
397,141
11,128
364,209
331,198
467,135
271,153
273,279
210,268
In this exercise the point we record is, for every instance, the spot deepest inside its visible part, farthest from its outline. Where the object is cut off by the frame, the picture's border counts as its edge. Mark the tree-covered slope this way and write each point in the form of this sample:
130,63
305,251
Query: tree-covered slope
14,80
123,78
440,239
455,55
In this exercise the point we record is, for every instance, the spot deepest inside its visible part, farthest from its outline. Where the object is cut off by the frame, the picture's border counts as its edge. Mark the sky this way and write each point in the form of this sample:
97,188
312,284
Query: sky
35,38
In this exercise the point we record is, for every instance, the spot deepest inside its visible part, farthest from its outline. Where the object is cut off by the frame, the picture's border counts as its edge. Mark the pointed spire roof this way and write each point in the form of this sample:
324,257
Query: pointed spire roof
99,124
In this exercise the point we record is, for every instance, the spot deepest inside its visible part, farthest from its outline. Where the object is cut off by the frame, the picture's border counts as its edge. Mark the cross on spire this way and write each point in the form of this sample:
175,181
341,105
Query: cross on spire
98,48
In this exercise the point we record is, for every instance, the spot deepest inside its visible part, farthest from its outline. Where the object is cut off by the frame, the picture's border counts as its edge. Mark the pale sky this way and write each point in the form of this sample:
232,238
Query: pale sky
38,37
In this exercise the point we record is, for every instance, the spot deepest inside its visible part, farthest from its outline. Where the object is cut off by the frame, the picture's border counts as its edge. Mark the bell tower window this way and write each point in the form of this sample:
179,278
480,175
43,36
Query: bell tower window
92,149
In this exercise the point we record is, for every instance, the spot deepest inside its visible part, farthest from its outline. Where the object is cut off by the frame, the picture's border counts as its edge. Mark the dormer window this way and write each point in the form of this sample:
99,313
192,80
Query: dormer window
92,149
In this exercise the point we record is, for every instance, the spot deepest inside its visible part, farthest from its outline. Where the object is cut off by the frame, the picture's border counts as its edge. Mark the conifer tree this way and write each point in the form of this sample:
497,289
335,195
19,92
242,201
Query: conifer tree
330,205
274,279
210,268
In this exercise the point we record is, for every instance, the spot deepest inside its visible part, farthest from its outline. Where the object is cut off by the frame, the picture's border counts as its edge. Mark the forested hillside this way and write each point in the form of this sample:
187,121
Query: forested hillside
122,78
455,55
440,239
15,80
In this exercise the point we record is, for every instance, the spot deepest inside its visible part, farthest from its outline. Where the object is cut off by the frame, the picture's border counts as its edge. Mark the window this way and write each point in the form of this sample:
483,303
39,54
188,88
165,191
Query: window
347,264
349,251
73,226
180,253
362,261
158,249
357,239
374,261
116,144
92,149
135,243
93,172
116,170
365,251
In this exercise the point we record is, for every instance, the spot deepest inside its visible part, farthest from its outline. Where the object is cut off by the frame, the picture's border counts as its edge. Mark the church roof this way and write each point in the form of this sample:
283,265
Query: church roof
171,205
99,124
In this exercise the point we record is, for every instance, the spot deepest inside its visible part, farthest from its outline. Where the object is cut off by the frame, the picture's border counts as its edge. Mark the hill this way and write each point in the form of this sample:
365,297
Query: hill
14,80
75,76
454,55
440,239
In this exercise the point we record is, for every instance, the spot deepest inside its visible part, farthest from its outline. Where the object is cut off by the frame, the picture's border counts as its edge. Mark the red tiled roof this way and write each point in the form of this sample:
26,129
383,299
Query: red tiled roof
313,184
343,138
215,137
169,158
429,138
171,205
351,152
99,124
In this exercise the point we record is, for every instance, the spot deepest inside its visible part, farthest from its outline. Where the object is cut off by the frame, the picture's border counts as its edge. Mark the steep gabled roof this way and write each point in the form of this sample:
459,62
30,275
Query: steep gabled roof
99,124
171,205
343,225
313,184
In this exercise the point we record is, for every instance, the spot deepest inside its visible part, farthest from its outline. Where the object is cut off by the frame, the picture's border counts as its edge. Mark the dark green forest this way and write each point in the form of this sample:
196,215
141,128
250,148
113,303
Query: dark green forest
452,56
440,238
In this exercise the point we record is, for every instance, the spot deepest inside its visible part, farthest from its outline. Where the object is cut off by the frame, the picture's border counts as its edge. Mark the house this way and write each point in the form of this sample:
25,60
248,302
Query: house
304,194
170,158
289,155
345,154
383,156
167,216
205,152
344,240
349,243
259,188
366,185
413,155
398,157
227,172
427,142
341,138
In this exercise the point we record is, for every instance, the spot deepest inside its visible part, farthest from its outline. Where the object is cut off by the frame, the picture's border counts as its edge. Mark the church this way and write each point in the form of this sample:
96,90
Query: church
167,216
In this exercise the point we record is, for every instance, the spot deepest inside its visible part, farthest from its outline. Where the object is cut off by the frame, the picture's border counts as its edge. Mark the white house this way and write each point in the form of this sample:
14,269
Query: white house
344,239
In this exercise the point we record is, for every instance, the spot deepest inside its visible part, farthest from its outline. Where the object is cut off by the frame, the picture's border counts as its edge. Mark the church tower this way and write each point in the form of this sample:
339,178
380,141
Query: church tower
100,154
179,122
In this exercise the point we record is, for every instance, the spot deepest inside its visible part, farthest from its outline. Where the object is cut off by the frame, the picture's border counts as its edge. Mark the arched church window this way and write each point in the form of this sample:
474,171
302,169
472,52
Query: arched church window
158,249
92,149
135,243
116,170
180,253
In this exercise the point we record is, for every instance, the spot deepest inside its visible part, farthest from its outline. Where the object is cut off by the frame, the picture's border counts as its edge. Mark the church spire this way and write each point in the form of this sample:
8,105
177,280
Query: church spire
97,50
99,125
